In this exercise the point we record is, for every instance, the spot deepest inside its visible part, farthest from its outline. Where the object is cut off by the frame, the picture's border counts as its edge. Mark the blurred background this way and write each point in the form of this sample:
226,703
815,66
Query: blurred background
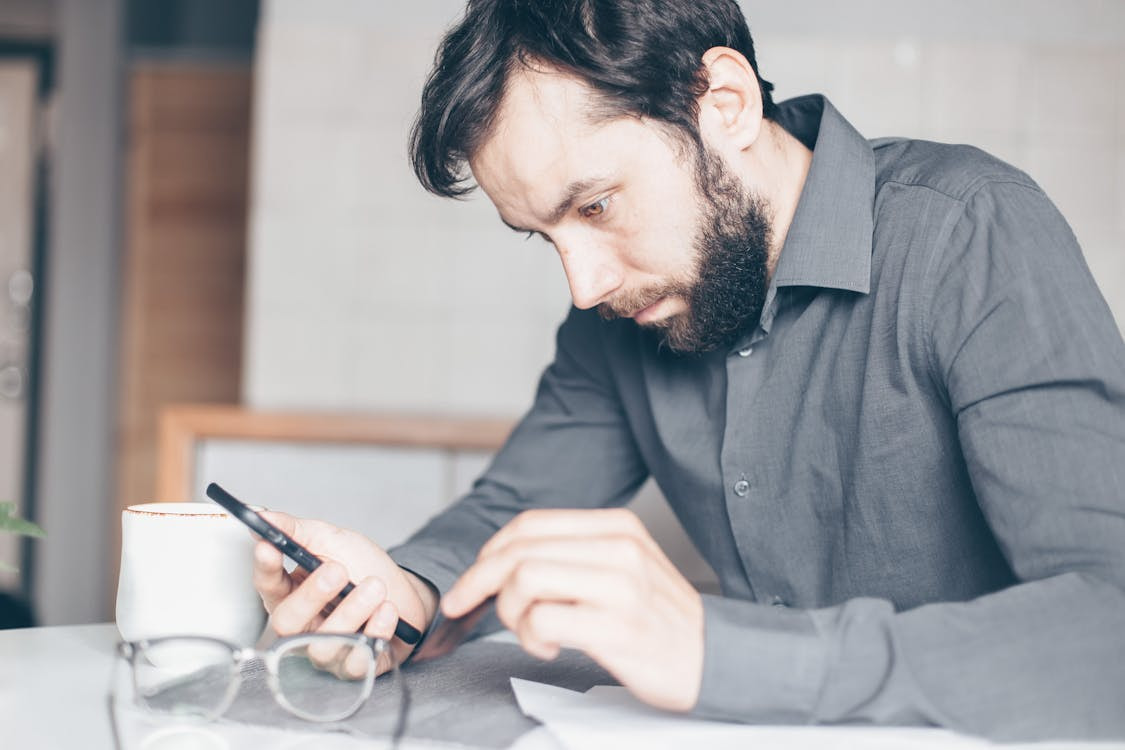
209,202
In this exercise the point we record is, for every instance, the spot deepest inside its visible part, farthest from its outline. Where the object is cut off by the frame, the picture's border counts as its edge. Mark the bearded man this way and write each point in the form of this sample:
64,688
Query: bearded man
874,380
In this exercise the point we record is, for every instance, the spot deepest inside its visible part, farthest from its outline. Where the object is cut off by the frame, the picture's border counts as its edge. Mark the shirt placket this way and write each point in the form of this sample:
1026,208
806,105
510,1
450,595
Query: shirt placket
741,468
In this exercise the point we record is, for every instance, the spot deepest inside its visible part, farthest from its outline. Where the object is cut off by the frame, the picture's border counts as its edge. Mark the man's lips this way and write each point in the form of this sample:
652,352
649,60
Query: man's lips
648,314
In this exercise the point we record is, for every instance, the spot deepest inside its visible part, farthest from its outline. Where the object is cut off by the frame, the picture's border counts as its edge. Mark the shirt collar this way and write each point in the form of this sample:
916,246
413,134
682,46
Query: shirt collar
829,239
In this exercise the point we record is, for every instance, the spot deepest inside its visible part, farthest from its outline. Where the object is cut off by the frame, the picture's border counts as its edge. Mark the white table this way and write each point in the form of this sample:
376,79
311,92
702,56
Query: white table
54,686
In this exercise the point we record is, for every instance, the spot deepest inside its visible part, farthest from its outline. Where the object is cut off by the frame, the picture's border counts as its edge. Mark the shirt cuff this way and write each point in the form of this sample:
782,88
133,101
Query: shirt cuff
425,563
761,663
434,565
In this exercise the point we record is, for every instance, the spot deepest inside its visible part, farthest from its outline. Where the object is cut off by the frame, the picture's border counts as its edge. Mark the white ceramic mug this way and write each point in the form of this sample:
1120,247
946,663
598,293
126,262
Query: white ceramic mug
186,570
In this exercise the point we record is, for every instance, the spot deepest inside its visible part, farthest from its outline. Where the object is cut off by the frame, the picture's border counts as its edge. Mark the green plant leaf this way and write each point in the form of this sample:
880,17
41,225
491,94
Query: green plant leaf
15,525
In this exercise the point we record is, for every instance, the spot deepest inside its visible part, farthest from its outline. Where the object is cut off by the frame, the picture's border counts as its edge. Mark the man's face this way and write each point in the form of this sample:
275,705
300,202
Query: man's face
646,227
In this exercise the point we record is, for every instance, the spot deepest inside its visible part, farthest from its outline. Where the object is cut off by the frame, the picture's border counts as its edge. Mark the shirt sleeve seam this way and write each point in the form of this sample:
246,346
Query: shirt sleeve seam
971,188
940,377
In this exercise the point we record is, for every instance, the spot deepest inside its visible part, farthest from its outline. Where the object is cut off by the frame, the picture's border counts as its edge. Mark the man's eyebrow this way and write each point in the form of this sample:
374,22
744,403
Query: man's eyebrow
573,191
565,204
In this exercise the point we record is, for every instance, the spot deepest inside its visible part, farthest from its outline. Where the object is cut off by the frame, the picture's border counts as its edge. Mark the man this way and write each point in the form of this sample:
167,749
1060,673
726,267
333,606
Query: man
874,380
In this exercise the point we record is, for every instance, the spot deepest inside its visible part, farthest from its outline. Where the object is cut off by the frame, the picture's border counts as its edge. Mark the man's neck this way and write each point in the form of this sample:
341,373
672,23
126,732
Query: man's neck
788,160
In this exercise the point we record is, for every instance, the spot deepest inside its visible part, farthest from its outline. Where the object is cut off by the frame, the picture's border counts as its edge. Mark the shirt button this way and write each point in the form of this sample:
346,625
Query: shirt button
746,352
742,488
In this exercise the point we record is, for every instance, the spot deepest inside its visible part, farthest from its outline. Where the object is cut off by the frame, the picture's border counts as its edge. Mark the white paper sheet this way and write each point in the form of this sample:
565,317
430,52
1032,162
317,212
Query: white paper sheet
609,718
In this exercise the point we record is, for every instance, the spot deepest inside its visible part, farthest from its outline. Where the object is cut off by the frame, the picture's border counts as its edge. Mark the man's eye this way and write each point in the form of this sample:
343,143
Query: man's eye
595,209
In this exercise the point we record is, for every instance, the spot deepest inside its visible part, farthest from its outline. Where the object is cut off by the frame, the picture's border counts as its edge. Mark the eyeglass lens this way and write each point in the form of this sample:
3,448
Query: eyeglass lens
326,680
185,677
321,678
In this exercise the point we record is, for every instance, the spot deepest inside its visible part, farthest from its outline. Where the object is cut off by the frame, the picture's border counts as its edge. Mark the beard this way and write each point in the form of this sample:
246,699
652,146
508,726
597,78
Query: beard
729,280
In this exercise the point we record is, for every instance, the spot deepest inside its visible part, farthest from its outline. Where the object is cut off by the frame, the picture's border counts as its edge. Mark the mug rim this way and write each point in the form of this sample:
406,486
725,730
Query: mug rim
180,510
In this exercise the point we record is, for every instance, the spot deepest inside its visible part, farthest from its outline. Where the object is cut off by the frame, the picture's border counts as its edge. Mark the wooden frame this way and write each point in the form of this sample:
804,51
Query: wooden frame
182,426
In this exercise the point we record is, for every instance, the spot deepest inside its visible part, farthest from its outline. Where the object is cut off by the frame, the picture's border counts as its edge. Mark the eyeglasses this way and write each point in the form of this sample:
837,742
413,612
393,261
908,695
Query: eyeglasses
321,677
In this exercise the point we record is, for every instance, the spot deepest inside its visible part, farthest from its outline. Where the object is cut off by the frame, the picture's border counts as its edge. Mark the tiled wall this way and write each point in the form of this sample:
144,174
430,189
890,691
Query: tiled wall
367,293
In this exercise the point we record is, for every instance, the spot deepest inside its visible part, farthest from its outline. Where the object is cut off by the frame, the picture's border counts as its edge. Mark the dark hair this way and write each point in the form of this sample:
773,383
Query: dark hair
642,56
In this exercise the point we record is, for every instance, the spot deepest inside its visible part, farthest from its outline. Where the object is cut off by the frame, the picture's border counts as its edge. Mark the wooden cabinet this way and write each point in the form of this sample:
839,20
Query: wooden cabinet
183,268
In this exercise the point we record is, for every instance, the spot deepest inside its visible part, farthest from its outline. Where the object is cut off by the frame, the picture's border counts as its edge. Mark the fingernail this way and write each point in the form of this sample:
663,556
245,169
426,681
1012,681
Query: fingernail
264,554
372,590
451,594
385,616
450,603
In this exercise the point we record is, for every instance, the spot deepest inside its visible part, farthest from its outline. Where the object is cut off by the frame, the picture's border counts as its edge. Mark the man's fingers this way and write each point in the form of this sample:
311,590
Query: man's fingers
353,611
310,533
366,609
304,604
382,625
352,662
490,572
269,576
283,521
349,616
549,626
538,524
536,581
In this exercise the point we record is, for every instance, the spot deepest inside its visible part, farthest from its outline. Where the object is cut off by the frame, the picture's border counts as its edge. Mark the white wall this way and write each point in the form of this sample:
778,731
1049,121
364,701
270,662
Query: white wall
367,293
80,320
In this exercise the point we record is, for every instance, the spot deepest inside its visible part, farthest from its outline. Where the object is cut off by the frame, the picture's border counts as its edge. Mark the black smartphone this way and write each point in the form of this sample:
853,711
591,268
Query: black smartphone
404,631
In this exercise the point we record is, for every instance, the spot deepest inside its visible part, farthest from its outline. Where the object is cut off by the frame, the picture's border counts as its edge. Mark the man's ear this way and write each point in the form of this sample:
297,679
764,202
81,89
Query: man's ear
730,111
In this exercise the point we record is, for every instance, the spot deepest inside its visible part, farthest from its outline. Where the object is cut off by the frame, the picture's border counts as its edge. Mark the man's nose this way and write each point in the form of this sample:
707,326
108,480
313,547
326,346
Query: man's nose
593,273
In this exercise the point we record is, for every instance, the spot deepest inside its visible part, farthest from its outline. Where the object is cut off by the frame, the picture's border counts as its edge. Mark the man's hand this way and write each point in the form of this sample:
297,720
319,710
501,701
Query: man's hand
593,580
384,592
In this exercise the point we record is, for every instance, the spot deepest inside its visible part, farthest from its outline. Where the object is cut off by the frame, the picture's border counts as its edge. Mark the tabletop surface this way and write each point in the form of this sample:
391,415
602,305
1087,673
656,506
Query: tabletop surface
55,681
463,700
44,671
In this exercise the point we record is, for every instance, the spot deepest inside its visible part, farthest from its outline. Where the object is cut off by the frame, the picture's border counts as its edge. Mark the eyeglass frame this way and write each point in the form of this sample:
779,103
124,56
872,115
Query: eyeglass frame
271,657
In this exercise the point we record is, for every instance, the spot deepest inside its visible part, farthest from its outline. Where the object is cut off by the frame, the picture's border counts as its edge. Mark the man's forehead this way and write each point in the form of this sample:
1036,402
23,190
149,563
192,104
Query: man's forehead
542,120
542,102
537,94
554,142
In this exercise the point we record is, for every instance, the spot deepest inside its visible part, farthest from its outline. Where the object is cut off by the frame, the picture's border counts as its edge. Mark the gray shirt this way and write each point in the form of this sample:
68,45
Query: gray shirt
909,478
